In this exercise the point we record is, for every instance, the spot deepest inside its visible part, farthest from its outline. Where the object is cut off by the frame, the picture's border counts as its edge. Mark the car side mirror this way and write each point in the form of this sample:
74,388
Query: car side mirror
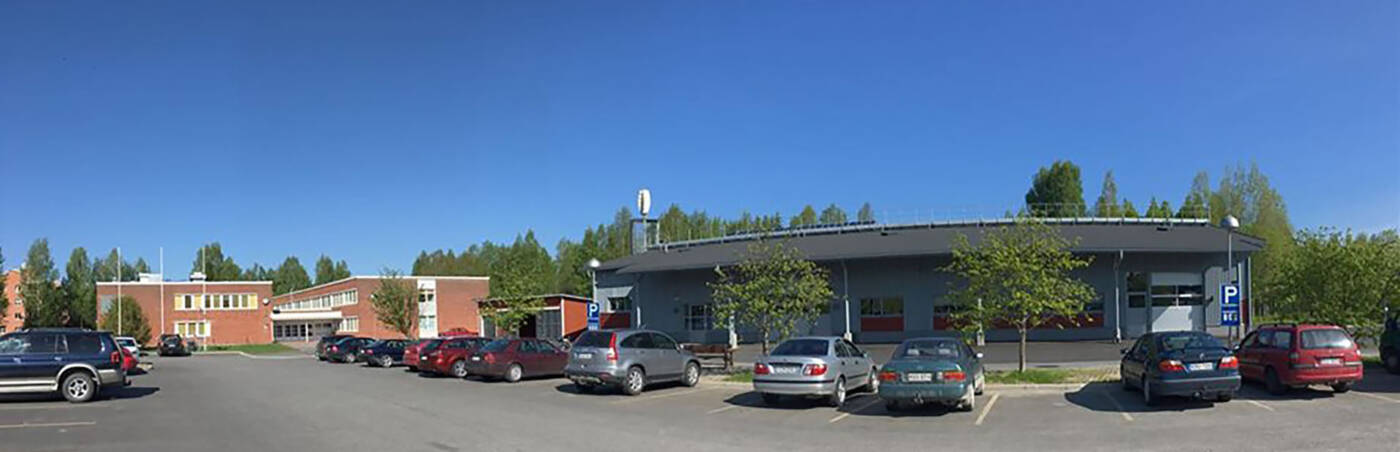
1122,351
865,355
980,355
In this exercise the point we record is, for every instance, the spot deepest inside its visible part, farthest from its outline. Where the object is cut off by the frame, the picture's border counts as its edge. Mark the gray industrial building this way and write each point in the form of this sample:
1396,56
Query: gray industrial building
1150,275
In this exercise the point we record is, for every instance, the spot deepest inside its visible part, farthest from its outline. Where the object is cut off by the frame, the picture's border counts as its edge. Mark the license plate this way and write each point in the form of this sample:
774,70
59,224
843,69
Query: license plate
476,358
1331,361
786,370
1200,366
918,377
583,355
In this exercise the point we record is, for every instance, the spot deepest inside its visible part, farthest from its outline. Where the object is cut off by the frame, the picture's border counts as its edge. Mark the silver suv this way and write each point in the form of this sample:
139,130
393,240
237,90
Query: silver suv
629,359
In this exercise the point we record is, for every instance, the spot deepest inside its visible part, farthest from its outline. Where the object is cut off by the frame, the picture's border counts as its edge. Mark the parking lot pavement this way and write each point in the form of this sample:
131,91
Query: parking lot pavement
232,403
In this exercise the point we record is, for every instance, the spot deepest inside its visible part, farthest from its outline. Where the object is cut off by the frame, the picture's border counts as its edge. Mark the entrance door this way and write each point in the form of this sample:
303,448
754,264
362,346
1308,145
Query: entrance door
1164,302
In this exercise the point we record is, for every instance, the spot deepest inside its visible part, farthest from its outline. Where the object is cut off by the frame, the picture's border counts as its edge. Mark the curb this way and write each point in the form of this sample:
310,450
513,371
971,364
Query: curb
251,356
719,380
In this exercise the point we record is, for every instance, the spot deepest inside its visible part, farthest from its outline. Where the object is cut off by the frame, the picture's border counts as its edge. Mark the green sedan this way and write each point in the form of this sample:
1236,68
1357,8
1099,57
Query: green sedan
932,370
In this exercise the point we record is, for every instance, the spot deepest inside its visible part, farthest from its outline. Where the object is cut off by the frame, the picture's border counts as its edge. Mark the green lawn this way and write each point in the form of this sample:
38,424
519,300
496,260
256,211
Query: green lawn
1051,376
743,376
253,349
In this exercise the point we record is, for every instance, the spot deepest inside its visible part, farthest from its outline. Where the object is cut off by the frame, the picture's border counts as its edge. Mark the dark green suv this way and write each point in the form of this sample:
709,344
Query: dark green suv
1390,343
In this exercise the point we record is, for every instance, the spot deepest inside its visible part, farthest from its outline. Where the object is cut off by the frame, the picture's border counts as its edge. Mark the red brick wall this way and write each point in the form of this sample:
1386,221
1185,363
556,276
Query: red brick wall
227,327
456,303
457,299
14,316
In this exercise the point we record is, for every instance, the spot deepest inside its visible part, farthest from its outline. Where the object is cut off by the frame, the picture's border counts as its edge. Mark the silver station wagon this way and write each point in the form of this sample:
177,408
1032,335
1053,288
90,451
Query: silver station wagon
824,367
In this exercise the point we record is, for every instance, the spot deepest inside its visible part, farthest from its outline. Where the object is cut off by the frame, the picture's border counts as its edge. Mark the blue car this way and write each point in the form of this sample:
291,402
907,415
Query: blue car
1180,363
382,353
932,370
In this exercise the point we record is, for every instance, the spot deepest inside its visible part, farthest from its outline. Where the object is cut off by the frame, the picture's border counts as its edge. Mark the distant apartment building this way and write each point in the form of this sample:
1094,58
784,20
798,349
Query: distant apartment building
445,304
14,316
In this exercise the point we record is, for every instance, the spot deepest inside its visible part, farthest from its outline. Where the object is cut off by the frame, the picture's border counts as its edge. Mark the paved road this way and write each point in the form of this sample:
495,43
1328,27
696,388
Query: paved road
232,403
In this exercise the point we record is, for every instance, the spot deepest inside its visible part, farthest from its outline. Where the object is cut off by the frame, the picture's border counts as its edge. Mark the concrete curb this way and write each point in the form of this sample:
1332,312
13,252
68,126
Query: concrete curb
251,356
719,380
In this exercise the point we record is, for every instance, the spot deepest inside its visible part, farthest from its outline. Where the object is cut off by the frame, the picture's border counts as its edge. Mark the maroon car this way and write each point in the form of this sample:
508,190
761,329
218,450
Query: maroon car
513,359
413,354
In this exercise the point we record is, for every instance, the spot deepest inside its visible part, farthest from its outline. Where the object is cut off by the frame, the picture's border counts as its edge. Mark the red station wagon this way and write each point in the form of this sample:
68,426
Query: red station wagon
1283,356
513,359
450,357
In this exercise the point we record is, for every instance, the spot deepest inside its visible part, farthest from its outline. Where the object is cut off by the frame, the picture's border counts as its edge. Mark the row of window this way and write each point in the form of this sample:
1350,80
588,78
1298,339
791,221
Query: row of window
324,302
349,325
1172,290
199,328
216,301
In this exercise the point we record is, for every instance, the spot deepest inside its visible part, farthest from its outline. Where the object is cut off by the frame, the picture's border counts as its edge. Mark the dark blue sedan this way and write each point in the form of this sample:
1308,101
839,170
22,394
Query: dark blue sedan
1180,363
382,353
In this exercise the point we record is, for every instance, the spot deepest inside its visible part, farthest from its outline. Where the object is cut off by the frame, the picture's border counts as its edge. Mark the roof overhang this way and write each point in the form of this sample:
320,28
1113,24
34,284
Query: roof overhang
306,315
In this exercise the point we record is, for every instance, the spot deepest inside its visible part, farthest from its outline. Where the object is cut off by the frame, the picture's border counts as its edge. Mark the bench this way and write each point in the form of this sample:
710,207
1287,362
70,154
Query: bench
710,353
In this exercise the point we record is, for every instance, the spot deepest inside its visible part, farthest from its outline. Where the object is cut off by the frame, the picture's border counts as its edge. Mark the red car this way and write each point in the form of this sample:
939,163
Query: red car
513,359
1284,356
413,354
450,357
129,361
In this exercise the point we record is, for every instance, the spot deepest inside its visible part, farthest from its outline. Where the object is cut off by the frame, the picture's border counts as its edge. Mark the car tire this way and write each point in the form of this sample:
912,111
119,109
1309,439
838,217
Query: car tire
691,376
78,387
771,399
513,373
872,384
1273,384
1224,397
386,362
1148,398
459,369
893,406
1126,384
981,385
412,368
838,394
1392,362
635,381
1341,388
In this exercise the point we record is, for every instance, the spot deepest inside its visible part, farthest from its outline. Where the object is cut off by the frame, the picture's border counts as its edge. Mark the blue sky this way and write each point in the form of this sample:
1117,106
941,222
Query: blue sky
372,130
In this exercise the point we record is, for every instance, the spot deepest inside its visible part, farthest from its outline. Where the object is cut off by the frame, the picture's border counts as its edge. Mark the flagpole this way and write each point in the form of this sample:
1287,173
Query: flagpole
119,291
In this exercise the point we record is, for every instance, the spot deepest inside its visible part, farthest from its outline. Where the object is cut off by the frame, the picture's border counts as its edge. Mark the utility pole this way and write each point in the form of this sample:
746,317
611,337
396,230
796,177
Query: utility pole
119,291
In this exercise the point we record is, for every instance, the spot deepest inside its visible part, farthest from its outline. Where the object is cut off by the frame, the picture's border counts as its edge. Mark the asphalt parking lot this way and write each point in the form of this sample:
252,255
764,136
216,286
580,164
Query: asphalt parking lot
232,403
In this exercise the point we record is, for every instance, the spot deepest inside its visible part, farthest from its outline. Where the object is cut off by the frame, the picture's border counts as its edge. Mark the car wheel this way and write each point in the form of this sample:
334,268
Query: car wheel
385,361
1392,362
771,399
838,394
459,369
412,368
691,377
1126,384
970,402
873,383
893,405
1341,387
635,382
514,373
1148,397
1272,383
79,387
981,384
1224,397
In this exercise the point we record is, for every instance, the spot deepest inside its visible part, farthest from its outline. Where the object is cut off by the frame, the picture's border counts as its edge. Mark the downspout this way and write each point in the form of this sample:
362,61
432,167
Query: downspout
1117,300
846,298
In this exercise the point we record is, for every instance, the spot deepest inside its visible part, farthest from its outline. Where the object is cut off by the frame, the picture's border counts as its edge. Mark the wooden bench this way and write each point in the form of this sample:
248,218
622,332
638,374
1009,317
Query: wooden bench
710,353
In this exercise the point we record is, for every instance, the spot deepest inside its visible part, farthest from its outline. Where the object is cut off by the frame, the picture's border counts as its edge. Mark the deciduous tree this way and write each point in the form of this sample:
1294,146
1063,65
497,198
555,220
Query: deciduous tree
807,217
290,276
1338,278
519,279
43,301
79,291
1017,275
133,320
1056,192
832,214
328,270
866,213
773,289
210,259
1107,204
395,302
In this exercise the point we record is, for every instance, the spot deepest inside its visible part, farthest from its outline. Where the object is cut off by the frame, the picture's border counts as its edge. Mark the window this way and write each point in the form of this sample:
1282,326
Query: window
640,340
1177,289
350,324
802,347
1329,338
699,317
188,301
193,329
882,307
620,304
1137,290
216,302
526,347
663,342
323,302
1283,339
84,344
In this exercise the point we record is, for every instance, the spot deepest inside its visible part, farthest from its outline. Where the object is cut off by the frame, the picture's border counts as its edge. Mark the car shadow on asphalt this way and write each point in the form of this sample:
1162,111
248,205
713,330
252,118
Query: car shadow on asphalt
128,392
1110,397
569,387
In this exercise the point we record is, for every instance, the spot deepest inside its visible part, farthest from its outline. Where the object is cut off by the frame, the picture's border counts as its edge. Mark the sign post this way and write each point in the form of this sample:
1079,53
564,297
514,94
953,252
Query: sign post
1229,305
594,312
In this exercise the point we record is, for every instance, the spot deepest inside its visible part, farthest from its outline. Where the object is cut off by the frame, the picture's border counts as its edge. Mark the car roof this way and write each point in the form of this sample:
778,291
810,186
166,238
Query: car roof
819,338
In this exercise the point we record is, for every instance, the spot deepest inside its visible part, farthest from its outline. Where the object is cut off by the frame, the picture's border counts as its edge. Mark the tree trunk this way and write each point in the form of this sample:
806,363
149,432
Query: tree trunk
1021,361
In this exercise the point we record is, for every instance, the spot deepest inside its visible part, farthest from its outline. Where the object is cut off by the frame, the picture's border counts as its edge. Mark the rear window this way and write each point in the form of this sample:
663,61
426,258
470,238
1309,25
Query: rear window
431,345
929,350
84,344
802,347
594,339
1176,342
496,345
1328,338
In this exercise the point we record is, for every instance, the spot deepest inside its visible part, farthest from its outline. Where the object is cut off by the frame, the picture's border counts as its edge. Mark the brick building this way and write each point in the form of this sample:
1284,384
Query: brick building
14,316
562,316
211,312
445,303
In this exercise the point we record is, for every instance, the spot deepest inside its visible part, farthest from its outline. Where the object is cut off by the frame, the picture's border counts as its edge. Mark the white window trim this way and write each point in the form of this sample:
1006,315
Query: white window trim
216,301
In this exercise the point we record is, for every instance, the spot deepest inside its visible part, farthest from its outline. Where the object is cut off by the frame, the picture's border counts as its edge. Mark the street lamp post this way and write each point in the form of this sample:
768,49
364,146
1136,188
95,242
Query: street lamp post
593,265
1230,223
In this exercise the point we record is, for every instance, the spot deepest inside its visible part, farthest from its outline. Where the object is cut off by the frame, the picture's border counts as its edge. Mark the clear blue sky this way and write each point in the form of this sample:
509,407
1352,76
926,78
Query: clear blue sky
372,130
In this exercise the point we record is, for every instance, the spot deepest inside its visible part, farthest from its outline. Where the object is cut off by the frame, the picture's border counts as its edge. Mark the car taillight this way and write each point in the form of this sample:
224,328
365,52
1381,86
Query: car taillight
612,348
761,369
954,375
369,352
814,369
116,357
888,375
334,348
1171,365
1229,362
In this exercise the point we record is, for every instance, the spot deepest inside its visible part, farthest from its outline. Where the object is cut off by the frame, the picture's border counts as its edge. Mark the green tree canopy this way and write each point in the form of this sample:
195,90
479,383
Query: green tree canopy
832,214
807,217
773,289
256,273
43,300
1017,275
210,259
1056,192
1129,211
395,302
1338,278
290,276
1107,204
79,291
519,278
113,268
133,321
866,213
328,270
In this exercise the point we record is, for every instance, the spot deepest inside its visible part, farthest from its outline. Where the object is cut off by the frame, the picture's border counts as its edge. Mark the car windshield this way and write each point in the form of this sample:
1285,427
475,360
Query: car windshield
126,341
801,347
496,345
594,339
1326,338
171,339
929,350
1178,342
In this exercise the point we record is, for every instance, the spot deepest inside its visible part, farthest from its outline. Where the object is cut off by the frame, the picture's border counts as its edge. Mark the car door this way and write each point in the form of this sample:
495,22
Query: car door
1248,355
844,359
1133,360
42,357
636,349
10,349
668,355
551,358
1280,345
860,364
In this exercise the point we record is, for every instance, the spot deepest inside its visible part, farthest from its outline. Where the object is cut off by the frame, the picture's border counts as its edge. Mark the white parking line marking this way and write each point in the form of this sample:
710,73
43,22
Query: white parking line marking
662,396
1260,405
50,424
987,409
1119,407
848,413
1377,397
721,410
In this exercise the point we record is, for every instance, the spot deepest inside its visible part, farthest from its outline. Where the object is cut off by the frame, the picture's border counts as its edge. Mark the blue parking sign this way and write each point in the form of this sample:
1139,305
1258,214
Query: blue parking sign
594,312
1229,305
